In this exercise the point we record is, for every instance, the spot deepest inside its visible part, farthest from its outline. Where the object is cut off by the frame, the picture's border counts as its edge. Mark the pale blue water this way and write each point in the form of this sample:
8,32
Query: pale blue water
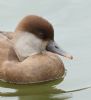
72,23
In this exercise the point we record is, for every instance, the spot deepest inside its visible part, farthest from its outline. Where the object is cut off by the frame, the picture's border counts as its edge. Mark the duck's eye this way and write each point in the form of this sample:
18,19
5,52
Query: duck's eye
42,35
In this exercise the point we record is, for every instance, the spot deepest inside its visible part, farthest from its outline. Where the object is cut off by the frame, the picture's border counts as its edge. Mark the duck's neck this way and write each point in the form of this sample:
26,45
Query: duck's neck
27,44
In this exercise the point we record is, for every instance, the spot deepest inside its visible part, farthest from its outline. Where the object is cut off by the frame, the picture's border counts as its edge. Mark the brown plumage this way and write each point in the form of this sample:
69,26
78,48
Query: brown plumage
39,67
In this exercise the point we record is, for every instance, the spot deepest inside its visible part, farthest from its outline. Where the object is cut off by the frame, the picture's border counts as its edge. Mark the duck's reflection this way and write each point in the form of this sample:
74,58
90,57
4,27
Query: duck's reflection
41,91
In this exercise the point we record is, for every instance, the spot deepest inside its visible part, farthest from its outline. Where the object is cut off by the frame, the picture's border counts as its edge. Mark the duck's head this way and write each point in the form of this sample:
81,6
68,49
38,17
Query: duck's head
39,35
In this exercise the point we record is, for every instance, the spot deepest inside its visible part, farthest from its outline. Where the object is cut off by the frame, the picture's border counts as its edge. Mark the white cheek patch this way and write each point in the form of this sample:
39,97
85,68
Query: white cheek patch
28,44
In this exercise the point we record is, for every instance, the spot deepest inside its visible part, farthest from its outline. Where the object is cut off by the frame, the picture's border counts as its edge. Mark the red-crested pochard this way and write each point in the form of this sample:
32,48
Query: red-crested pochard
30,54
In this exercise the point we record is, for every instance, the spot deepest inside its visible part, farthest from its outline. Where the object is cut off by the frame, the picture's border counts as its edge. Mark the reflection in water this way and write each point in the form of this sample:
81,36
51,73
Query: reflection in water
41,91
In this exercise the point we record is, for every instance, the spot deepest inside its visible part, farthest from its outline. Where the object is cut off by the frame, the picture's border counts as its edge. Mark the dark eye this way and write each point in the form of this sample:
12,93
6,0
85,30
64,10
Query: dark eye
43,34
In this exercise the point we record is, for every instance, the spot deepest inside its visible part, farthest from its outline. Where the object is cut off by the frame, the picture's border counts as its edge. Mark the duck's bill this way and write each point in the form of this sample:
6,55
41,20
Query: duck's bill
53,47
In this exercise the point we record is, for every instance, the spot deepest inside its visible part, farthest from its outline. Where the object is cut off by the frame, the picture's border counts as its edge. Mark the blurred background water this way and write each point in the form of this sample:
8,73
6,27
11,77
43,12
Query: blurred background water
72,24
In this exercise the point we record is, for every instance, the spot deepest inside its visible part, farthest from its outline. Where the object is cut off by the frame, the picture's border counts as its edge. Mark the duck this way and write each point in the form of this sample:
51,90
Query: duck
30,53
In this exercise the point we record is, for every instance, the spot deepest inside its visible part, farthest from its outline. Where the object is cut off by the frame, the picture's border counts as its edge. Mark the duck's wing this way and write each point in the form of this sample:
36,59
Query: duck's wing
6,50
9,35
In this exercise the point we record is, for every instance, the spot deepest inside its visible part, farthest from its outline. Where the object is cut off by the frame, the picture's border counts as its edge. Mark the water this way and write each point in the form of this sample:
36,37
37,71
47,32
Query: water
72,23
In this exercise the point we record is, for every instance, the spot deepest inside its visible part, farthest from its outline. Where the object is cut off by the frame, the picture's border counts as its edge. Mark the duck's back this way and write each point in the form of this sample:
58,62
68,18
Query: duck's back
4,48
6,51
